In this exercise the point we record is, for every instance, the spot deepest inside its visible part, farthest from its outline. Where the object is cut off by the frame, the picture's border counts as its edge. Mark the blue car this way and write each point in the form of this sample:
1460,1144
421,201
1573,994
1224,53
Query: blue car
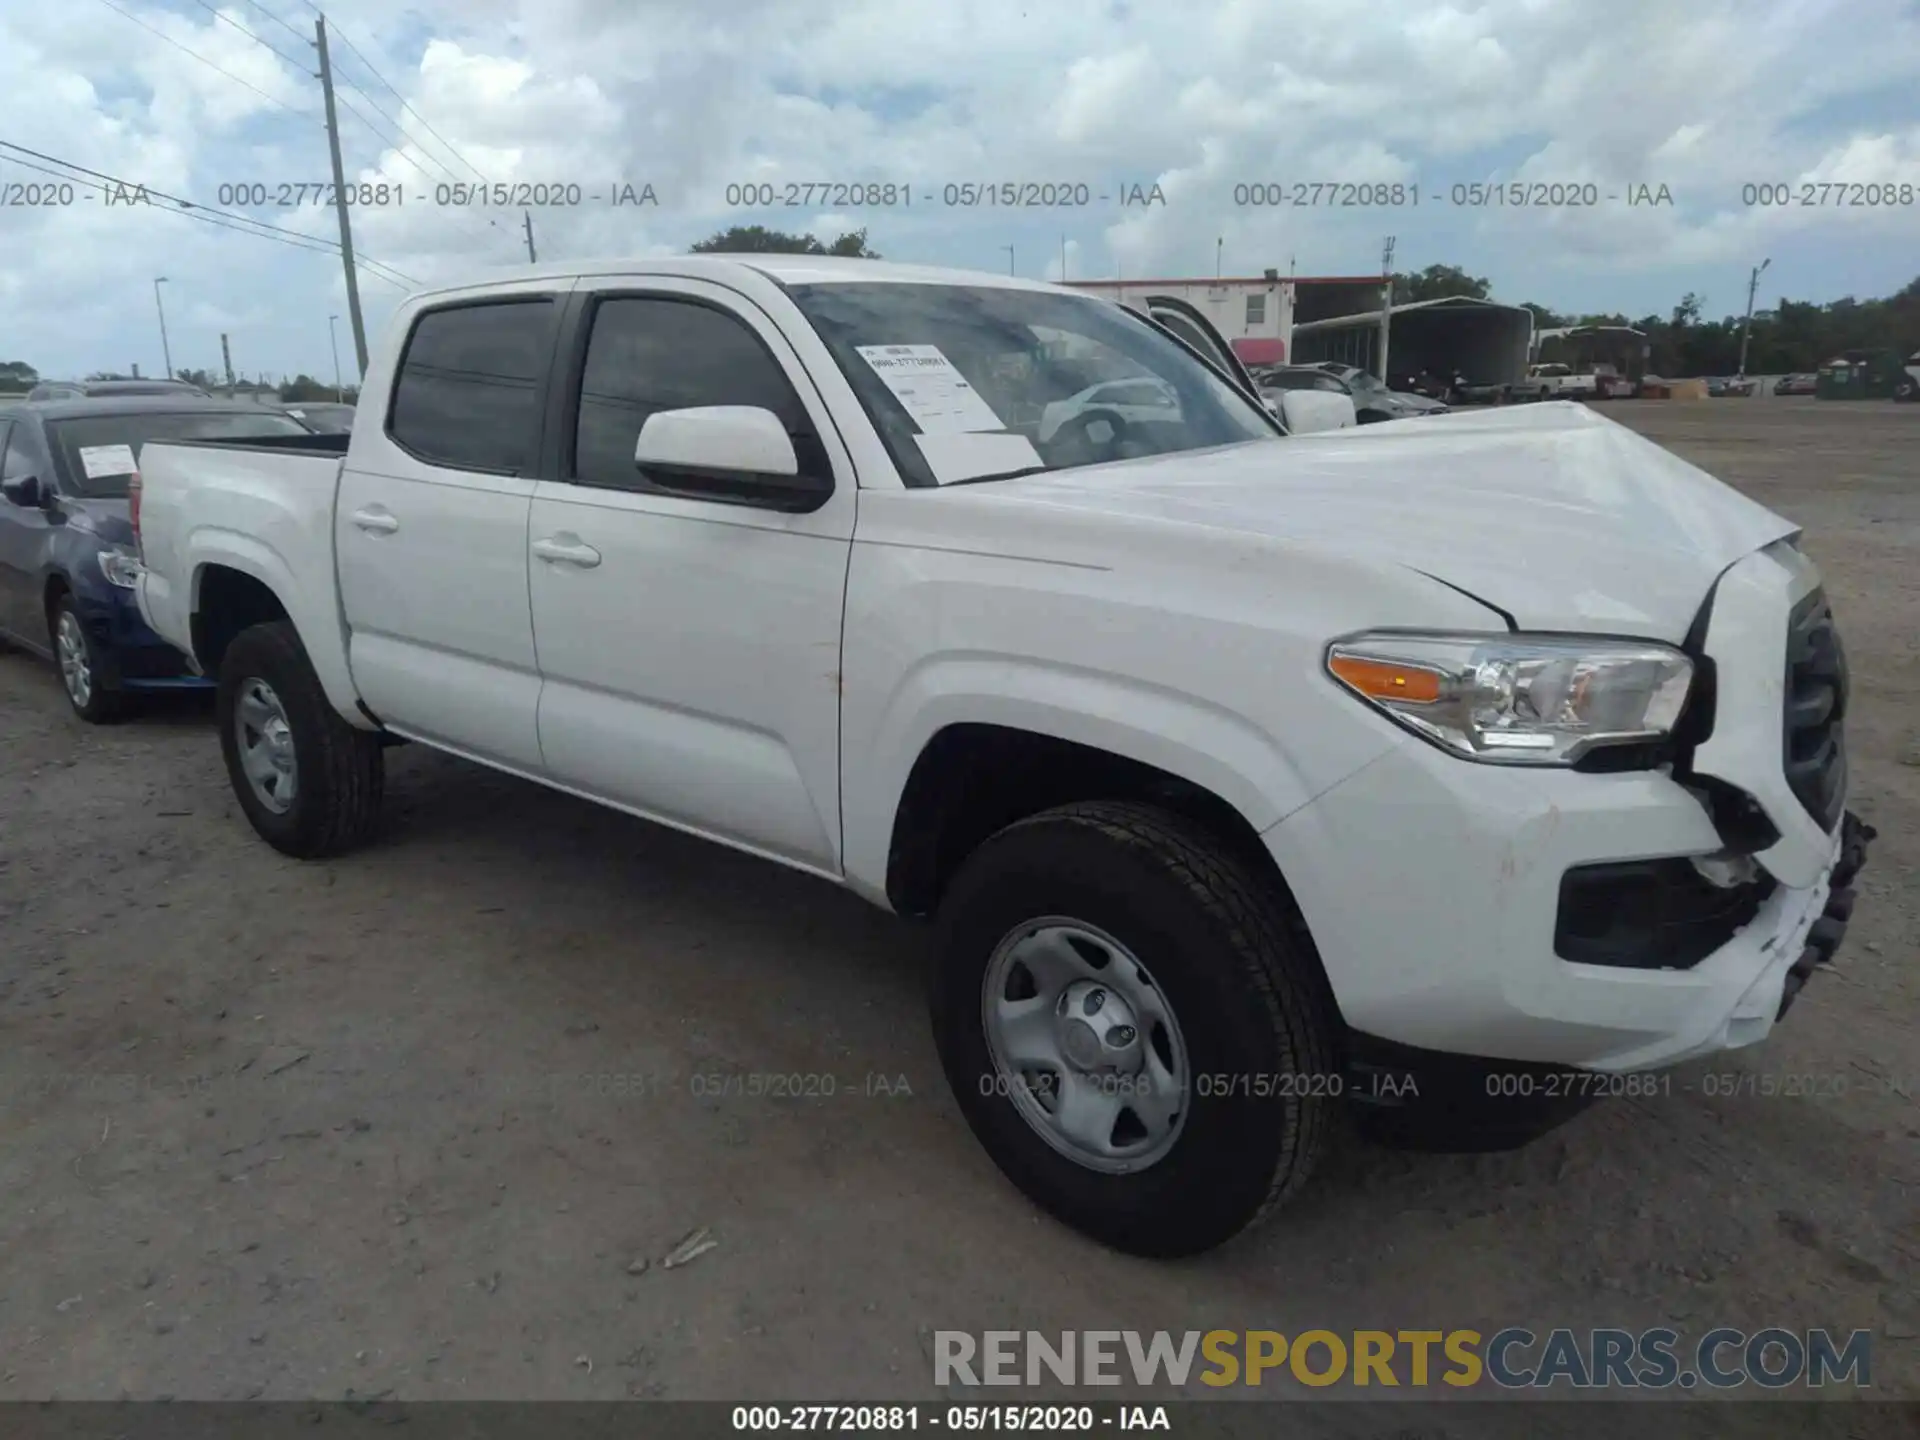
67,558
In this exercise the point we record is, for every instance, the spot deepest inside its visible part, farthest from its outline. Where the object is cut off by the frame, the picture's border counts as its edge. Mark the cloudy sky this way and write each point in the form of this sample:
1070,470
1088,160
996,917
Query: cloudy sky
1198,97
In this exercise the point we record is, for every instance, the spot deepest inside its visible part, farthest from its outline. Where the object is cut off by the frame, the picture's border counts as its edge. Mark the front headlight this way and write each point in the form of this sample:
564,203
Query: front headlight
1517,699
121,567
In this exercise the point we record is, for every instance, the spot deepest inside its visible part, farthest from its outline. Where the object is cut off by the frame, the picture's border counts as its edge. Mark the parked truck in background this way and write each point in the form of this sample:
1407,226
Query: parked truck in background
1454,773
1556,382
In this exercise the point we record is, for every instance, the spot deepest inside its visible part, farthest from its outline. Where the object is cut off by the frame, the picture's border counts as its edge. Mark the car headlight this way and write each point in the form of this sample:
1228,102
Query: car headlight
1517,699
121,567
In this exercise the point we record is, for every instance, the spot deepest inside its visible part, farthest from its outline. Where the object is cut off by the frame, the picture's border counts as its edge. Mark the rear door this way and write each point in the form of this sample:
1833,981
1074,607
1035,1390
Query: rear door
430,527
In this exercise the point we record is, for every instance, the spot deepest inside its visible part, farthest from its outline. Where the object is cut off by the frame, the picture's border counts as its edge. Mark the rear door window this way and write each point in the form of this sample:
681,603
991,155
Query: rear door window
472,383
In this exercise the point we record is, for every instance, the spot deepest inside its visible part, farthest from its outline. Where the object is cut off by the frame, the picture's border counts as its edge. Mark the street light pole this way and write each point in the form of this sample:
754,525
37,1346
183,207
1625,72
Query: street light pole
333,339
166,350
1753,284
1009,250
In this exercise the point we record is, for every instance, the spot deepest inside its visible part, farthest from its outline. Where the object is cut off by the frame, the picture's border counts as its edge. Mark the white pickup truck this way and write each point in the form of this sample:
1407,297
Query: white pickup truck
1556,382
1445,776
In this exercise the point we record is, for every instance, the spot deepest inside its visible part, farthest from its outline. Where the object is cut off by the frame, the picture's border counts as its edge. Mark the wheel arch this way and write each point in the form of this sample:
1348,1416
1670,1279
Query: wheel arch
972,779
239,581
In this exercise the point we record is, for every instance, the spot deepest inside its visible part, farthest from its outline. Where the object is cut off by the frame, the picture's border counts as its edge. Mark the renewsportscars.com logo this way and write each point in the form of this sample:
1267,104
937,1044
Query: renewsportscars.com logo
1512,1359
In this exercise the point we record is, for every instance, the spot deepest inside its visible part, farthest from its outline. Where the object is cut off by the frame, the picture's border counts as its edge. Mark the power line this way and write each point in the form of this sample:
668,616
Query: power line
318,246
229,20
391,87
398,148
206,62
291,30
208,213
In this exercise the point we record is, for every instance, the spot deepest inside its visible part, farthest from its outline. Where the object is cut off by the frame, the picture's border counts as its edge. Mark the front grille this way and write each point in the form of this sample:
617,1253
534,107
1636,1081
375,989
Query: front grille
1814,738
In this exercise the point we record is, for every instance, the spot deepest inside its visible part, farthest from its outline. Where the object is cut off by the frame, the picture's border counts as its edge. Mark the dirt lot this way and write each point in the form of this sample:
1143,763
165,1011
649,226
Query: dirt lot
321,1152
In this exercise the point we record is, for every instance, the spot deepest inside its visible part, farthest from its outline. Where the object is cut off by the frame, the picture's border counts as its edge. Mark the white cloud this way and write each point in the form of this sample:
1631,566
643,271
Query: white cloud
690,95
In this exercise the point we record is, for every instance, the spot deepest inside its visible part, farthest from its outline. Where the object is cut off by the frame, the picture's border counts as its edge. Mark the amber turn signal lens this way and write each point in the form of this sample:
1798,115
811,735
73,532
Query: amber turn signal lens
1387,680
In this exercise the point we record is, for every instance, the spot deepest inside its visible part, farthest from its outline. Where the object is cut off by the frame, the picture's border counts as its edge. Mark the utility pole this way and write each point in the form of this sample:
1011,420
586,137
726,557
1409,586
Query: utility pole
1009,250
1386,304
226,360
531,257
340,196
1219,245
166,350
333,339
1753,284
1063,259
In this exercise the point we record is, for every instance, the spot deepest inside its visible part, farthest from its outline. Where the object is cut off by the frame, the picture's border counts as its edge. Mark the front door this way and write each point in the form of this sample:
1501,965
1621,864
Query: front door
689,647
23,536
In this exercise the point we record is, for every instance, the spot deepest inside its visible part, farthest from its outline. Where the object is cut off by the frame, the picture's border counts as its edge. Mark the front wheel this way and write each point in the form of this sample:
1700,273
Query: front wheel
1908,389
309,782
1134,1026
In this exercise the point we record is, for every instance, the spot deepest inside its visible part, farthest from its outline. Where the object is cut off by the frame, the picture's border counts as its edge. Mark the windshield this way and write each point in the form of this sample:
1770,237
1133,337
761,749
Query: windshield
967,383
96,455
1364,380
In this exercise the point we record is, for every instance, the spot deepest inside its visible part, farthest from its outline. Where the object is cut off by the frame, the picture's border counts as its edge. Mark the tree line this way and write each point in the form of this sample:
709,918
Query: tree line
18,375
1792,336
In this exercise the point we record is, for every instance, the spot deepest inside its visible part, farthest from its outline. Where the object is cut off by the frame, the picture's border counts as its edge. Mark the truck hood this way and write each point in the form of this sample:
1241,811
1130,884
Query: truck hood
1561,518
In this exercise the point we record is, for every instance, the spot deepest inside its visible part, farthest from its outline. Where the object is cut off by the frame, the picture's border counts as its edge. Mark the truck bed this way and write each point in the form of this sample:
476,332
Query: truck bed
261,507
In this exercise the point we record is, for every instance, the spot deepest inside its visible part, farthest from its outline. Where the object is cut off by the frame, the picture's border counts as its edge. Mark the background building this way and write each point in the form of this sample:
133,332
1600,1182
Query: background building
1256,313
1483,340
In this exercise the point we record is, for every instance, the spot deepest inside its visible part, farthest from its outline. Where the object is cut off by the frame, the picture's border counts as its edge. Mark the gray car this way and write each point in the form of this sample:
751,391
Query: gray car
1372,400
101,389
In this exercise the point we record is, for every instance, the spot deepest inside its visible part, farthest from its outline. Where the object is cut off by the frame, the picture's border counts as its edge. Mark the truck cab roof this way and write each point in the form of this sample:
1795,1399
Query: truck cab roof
781,269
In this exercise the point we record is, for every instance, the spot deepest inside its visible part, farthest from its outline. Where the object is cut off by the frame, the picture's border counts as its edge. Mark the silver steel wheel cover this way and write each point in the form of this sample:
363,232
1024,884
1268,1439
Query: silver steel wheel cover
71,644
265,742
1085,1044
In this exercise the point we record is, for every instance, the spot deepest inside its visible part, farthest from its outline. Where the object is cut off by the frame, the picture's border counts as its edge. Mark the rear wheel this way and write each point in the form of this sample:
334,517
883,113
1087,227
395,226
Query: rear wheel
1907,389
86,671
309,782
1133,1025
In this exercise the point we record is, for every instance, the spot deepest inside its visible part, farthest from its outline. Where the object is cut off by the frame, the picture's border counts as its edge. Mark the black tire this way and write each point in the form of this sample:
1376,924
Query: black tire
1234,961
106,702
336,805
1908,389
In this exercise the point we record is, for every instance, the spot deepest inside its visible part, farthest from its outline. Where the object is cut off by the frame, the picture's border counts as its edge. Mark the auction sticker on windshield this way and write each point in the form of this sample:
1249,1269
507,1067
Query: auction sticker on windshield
973,455
100,461
934,393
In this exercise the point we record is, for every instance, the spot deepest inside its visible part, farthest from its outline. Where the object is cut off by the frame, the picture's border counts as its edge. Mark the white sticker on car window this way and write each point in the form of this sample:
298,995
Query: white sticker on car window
973,455
935,394
100,461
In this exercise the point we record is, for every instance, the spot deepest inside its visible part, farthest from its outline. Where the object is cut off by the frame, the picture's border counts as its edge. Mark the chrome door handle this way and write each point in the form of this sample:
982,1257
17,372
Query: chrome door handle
377,521
566,552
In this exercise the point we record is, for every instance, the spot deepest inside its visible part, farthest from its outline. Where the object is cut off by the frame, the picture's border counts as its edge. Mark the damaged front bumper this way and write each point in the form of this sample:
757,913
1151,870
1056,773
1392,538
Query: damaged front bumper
1826,933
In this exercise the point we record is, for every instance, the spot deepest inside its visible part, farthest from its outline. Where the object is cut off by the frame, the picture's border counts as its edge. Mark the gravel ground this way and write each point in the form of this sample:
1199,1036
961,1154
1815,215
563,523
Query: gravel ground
293,1131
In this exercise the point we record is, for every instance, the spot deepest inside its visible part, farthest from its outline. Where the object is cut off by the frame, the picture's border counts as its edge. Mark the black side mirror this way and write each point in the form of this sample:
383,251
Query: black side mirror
26,492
